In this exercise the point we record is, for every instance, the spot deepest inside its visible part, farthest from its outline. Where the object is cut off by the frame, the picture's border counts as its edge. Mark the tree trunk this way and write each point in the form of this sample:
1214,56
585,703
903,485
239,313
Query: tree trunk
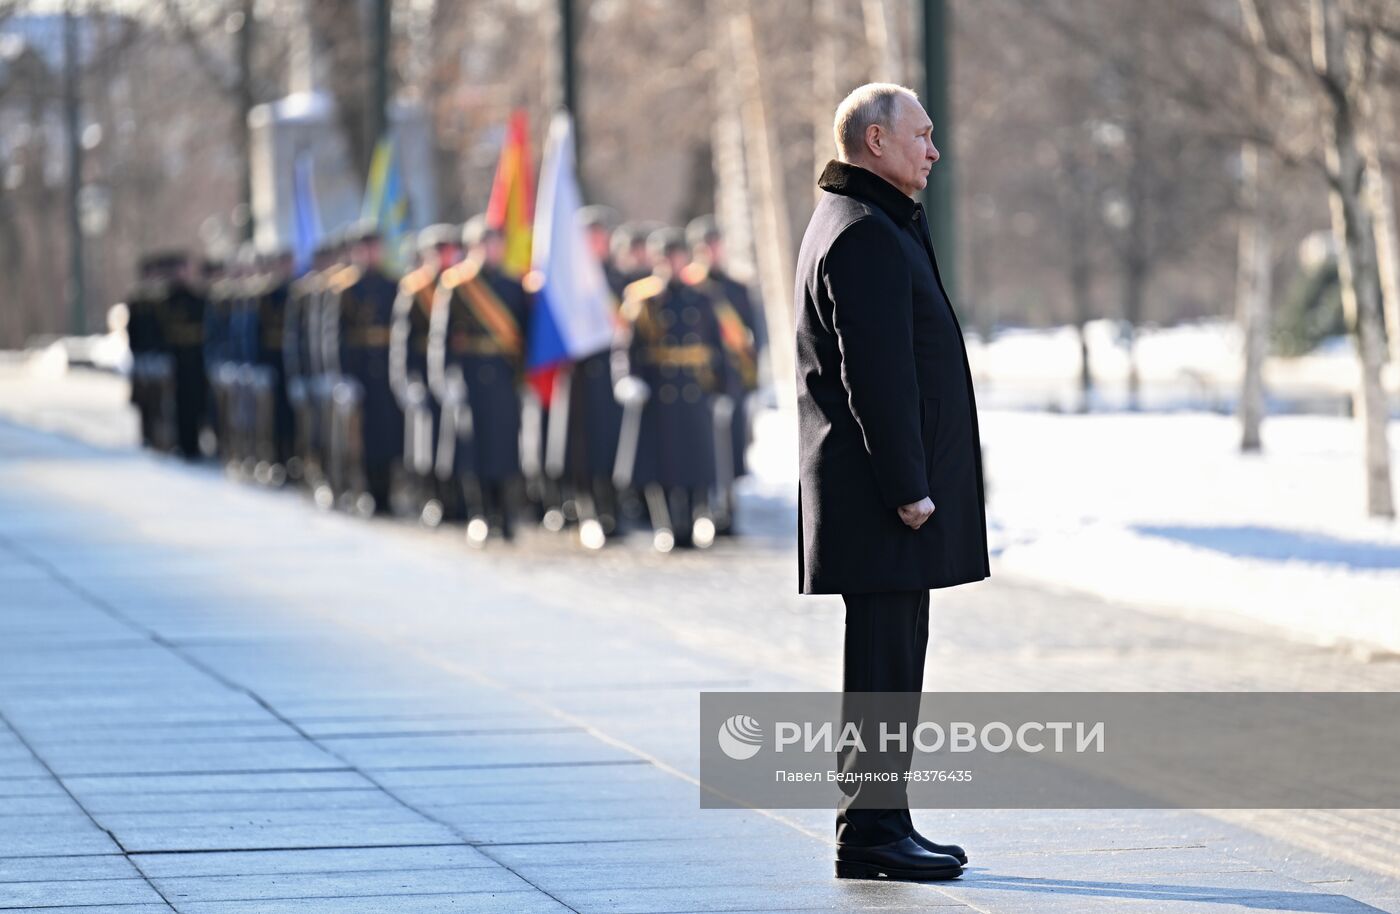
1080,286
1382,198
1252,295
1352,224
243,135
771,224
885,63
1378,120
825,88
733,209
1135,257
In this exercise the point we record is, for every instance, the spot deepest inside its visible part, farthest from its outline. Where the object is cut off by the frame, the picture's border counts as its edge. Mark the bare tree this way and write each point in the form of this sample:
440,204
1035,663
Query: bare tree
1339,64
771,216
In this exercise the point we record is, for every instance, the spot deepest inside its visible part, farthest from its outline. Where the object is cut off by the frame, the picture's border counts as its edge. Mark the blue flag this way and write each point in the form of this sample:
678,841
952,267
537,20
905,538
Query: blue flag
306,232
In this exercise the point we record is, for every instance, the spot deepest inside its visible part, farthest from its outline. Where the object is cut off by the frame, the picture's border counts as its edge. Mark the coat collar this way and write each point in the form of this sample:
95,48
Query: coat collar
853,181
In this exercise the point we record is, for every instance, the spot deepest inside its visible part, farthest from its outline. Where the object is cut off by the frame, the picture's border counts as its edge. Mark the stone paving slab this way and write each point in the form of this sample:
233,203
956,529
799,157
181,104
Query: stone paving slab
133,889
55,868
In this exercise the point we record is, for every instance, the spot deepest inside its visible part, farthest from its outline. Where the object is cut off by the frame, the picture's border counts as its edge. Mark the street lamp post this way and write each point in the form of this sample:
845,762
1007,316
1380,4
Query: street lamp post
938,197
72,112
568,39
382,39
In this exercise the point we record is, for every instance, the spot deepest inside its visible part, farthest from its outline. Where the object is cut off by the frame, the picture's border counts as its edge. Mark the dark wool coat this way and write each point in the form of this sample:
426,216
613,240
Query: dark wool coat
665,319
885,404
360,306
490,355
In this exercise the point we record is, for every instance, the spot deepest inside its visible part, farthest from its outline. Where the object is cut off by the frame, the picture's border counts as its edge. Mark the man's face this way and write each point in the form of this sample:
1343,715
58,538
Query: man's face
493,249
906,152
446,255
713,252
368,253
675,261
598,243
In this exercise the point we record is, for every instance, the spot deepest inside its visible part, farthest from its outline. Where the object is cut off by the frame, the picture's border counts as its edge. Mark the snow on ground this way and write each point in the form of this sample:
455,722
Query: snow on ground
1159,508
1162,510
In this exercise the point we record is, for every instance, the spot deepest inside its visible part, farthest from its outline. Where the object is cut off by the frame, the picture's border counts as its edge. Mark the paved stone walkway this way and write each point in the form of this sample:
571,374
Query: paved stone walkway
217,699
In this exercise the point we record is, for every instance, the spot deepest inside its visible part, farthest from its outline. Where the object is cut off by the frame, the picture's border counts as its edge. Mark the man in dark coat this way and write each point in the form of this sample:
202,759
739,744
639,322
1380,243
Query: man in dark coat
143,335
439,249
584,418
476,361
740,332
276,425
301,362
359,307
669,365
890,497
182,332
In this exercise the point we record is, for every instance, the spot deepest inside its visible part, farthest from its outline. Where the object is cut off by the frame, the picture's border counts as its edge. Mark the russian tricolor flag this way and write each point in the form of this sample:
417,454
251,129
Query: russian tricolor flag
573,313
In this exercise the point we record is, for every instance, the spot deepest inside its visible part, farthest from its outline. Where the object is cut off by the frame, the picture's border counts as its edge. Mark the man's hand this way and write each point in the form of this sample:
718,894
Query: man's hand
915,514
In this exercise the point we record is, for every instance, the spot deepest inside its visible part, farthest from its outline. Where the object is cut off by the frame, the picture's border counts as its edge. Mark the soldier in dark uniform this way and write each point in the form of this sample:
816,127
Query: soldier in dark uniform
182,334
275,425
439,248
668,366
218,342
740,330
143,306
629,251
599,227
585,418
301,363
476,362
368,439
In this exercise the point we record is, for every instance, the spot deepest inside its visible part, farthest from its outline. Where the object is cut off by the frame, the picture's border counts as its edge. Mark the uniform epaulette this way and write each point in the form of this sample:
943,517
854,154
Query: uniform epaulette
635,295
644,288
695,273
416,281
344,278
465,271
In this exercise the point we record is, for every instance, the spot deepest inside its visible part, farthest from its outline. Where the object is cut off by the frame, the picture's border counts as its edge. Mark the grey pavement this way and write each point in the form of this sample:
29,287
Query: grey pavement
215,698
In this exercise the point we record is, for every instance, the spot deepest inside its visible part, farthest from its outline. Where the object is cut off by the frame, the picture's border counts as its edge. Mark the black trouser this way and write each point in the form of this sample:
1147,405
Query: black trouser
886,639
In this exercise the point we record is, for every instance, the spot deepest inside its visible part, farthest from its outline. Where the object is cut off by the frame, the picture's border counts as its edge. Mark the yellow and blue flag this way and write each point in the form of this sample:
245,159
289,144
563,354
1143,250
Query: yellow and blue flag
386,200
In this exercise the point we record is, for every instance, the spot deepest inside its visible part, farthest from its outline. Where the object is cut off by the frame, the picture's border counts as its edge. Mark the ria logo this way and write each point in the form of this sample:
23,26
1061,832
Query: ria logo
741,737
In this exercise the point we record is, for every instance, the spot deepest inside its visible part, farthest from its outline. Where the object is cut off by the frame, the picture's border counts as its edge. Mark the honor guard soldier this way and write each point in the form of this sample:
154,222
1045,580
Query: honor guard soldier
324,365
599,227
300,362
476,359
237,372
182,333
740,331
218,346
585,417
668,366
275,424
143,327
439,249
368,425
629,250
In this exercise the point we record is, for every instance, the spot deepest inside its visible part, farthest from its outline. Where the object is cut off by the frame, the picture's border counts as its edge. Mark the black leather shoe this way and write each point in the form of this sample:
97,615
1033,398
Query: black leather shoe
902,859
951,850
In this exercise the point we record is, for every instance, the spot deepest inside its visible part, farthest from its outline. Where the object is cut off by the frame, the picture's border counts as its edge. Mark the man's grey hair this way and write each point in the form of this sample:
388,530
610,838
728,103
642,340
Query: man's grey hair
872,103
